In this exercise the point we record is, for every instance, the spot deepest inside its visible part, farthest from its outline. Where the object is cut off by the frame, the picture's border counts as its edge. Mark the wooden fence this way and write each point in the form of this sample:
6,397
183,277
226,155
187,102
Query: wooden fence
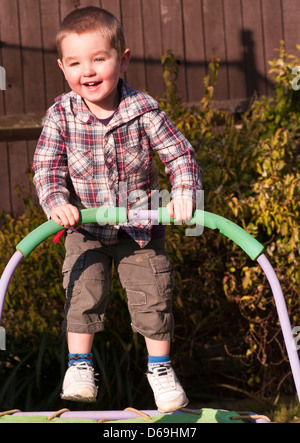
241,33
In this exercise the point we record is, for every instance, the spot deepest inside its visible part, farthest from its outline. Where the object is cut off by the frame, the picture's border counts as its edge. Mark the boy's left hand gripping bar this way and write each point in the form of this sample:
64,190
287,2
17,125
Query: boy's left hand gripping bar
102,215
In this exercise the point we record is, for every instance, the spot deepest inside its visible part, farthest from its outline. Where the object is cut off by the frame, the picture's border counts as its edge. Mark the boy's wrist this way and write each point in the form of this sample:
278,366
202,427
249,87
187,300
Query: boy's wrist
53,202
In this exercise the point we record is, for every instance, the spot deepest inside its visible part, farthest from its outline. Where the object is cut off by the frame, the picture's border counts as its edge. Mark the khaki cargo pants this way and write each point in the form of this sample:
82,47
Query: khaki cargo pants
144,273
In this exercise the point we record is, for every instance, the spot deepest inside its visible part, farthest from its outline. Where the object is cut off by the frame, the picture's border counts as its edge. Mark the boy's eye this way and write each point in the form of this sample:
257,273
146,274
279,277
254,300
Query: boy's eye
74,64
99,59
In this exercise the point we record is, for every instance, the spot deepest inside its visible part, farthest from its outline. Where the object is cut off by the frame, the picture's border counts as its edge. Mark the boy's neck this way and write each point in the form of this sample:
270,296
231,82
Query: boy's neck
100,113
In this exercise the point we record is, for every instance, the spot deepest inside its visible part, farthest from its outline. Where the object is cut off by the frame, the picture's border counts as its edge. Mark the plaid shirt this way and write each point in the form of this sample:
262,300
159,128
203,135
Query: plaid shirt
79,160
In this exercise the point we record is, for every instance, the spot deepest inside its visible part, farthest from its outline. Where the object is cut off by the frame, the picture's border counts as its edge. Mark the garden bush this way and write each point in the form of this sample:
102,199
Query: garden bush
227,336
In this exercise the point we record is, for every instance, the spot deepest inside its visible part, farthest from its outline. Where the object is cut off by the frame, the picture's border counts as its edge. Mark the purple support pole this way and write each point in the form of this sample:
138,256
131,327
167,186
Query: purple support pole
6,276
283,318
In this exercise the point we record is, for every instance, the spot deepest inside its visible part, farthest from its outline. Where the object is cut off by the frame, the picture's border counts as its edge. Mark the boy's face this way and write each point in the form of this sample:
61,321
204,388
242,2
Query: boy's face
92,68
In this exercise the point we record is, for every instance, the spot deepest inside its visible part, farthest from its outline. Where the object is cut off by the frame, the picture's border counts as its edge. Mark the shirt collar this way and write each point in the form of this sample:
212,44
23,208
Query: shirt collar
133,103
80,109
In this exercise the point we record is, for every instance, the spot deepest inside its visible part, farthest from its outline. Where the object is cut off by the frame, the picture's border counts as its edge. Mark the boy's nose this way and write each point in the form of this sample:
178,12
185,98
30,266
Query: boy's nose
88,70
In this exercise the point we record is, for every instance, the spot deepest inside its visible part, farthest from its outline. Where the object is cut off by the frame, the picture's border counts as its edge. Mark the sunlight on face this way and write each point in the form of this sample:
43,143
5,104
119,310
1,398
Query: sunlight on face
92,69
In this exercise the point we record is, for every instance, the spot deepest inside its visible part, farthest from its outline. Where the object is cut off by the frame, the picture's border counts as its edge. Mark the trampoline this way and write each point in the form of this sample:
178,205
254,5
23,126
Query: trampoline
131,416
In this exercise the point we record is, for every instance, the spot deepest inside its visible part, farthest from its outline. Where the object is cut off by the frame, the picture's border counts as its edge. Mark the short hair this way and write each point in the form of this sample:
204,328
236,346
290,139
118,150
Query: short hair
90,19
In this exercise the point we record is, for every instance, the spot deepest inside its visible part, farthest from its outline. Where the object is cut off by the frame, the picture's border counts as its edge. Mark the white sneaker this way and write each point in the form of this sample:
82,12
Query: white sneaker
168,392
79,384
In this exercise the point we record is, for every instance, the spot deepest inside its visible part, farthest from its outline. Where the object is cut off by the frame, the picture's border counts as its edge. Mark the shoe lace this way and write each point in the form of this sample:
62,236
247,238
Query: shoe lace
83,371
164,378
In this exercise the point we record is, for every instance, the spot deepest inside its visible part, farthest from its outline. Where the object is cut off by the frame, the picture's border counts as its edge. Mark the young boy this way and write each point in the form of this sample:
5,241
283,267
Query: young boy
95,149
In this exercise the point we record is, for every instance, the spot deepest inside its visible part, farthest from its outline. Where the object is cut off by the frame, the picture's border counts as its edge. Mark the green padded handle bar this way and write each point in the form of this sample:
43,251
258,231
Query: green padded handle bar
226,227
119,215
95,215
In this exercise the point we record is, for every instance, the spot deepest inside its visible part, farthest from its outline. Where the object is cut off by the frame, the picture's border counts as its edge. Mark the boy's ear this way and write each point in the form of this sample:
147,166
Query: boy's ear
60,64
125,60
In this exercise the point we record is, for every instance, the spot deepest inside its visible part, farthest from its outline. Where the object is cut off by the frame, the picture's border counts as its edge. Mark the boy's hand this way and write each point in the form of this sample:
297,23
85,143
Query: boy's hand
66,215
180,210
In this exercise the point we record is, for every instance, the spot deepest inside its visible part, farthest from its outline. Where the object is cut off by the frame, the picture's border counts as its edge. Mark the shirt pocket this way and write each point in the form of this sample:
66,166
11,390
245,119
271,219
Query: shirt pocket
80,163
136,159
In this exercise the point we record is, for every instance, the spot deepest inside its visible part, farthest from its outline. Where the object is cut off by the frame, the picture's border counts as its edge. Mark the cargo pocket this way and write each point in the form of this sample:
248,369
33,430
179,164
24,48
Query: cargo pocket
135,299
162,269
72,270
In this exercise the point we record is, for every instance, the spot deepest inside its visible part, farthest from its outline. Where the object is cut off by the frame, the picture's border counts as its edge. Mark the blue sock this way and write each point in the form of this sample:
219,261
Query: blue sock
80,358
155,361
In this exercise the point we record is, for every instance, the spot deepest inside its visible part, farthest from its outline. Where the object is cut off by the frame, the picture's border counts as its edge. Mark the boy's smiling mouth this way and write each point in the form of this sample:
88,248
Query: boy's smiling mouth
91,84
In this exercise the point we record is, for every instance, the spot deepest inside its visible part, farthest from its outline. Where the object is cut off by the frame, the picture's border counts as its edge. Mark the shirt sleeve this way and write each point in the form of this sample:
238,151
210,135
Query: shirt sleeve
177,154
50,167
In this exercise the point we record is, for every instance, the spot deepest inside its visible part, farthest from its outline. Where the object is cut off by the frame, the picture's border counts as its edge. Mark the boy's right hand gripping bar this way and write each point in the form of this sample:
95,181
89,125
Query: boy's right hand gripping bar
226,227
